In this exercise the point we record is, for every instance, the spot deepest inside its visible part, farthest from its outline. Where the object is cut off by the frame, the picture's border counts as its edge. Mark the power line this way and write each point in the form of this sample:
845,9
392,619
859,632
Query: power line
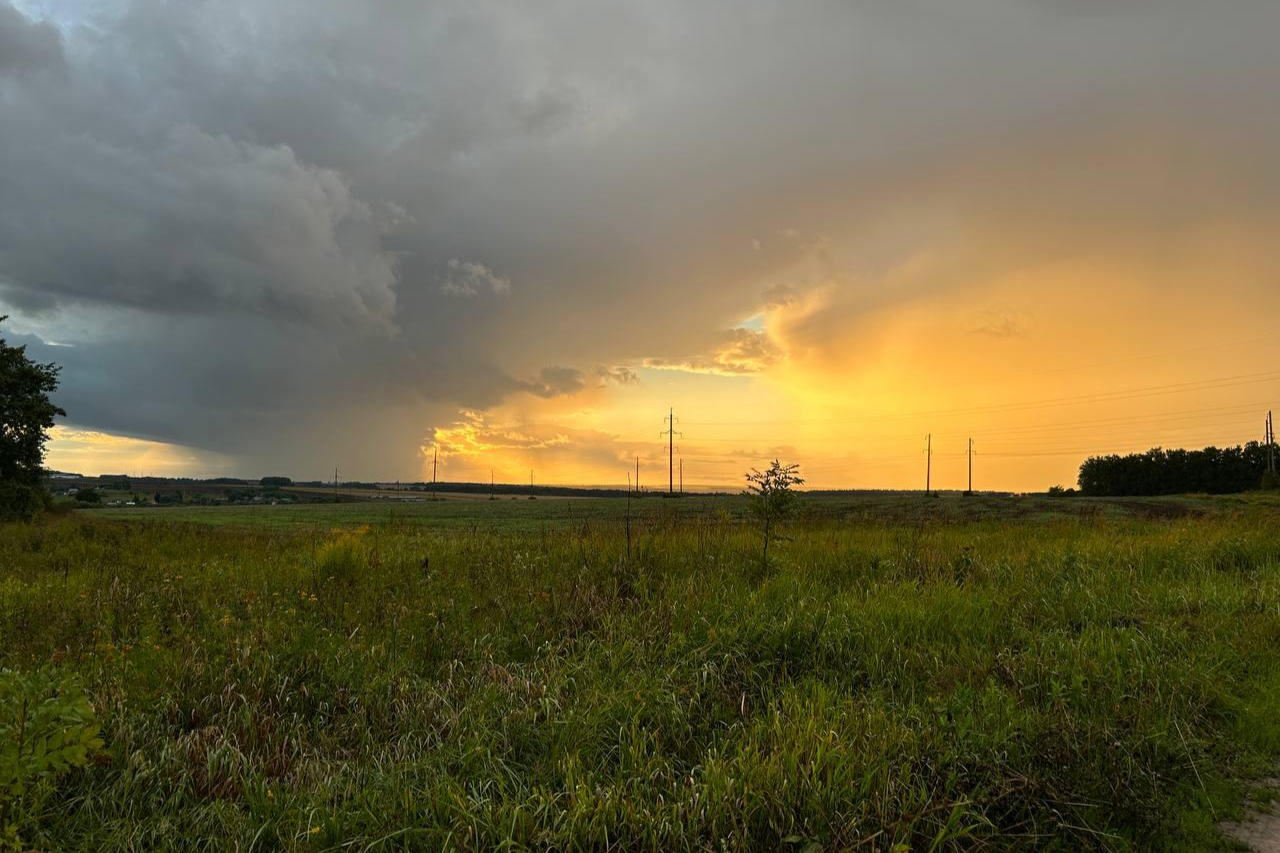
1079,399
899,460
1032,429
1081,368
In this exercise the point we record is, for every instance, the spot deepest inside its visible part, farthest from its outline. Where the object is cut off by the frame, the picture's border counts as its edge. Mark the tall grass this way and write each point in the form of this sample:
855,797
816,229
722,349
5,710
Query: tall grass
995,685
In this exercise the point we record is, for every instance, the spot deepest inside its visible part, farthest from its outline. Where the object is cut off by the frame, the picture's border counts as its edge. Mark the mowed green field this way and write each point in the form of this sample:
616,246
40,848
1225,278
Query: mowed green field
905,673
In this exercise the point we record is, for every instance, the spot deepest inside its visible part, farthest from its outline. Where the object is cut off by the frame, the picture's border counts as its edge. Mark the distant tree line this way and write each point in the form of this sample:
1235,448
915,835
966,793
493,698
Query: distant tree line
518,489
1213,470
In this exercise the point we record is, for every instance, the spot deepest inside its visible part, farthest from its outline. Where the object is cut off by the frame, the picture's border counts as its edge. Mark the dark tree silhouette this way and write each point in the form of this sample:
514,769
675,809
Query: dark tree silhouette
1212,470
26,414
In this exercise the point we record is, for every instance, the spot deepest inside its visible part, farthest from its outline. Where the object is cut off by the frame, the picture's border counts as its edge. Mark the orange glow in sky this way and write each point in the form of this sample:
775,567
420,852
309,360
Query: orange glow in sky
512,240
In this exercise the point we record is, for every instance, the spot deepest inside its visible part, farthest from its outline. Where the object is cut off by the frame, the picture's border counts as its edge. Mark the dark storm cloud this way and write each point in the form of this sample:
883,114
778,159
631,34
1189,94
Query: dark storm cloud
268,224
556,382
198,223
27,46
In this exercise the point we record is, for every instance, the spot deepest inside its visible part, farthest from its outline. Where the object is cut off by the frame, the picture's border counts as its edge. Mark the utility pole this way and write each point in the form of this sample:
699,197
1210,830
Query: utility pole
970,467
682,476
435,457
1271,444
335,483
491,494
670,433
928,464
637,473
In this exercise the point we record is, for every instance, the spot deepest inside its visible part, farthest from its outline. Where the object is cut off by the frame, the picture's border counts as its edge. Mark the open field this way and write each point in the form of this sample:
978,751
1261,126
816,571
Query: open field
905,674
512,513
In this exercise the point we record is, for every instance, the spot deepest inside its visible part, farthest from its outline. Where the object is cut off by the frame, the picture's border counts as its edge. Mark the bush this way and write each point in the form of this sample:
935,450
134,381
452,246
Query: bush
47,727
340,563
20,501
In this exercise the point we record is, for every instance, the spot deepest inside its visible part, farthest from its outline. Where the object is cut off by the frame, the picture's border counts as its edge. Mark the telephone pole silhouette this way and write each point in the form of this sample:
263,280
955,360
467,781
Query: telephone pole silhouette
1271,444
637,473
682,476
928,463
970,490
435,458
670,433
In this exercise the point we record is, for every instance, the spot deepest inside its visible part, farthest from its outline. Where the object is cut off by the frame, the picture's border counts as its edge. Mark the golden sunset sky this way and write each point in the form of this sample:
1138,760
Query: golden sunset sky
303,237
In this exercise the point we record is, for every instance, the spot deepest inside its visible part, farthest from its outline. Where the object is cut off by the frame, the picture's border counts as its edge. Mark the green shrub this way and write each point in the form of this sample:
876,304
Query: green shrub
21,502
47,727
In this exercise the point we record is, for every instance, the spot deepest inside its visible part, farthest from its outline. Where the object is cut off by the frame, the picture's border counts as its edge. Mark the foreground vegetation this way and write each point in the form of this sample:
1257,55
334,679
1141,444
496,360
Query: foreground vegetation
1086,680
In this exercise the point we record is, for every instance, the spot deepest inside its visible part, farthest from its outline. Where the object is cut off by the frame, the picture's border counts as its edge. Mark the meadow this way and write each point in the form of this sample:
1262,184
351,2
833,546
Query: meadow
903,674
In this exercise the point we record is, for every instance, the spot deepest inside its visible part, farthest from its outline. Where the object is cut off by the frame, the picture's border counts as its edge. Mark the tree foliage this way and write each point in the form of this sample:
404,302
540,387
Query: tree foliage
772,498
1212,470
26,414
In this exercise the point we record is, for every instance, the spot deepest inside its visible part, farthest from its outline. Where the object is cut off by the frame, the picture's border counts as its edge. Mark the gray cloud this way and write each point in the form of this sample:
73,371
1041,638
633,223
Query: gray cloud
199,223
617,375
468,278
738,352
243,215
556,382
27,46
1000,324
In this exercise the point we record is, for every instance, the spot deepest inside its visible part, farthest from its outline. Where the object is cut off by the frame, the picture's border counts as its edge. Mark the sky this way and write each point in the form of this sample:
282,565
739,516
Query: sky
282,238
